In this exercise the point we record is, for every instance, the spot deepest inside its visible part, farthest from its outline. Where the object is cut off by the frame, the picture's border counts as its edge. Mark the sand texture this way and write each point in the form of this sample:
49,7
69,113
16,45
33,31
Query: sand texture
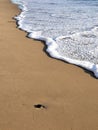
29,79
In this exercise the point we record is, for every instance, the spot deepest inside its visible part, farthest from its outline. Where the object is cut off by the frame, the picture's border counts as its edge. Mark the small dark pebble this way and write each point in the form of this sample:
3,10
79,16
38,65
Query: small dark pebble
39,106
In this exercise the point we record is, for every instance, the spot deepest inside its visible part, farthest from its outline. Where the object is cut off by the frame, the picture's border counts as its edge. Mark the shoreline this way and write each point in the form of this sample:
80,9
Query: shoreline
28,77
87,66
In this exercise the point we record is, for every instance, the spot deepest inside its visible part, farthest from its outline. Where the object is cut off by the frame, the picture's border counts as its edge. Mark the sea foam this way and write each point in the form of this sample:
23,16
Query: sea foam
70,33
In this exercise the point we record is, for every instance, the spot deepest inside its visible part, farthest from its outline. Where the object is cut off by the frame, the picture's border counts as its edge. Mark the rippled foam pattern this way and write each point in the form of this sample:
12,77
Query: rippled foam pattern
69,28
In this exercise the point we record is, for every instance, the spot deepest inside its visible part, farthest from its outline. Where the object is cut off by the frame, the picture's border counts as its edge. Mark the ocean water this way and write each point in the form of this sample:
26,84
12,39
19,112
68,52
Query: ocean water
68,27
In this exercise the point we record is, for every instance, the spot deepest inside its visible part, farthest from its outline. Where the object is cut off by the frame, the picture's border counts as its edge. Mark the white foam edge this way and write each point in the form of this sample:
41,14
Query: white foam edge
52,45
52,50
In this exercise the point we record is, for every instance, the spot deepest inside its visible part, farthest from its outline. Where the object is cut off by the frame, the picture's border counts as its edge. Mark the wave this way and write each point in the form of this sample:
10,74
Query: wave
78,48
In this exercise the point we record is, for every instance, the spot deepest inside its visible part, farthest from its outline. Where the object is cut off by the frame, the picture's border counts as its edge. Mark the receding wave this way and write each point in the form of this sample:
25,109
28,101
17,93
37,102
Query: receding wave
71,33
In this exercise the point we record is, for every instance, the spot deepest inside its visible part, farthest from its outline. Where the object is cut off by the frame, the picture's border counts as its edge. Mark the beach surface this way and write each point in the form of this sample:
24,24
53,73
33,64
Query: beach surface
38,92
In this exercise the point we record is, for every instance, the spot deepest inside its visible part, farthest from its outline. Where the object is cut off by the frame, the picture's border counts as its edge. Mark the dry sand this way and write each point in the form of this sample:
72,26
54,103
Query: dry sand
29,77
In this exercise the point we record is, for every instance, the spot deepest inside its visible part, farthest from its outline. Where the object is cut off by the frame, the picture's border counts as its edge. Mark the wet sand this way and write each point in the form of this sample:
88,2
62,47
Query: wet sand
29,79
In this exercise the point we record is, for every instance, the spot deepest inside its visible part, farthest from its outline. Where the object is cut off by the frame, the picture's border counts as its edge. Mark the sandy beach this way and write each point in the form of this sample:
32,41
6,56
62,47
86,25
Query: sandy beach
28,77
